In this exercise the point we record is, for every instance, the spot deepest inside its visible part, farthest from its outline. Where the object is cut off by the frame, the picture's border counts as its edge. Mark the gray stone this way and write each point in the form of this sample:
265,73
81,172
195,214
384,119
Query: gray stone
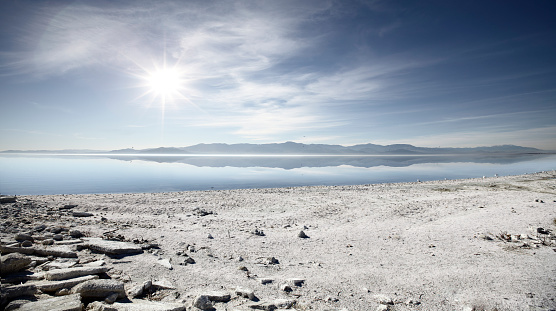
58,237
383,299
5,199
48,242
52,286
100,288
165,263
138,290
136,305
112,247
219,296
62,303
64,274
246,293
81,214
20,237
302,235
13,262
203,302
273,305
76,234
295,281
15,291
26,243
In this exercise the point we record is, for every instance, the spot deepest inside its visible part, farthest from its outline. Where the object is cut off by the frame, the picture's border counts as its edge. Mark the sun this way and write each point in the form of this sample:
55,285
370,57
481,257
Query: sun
164,82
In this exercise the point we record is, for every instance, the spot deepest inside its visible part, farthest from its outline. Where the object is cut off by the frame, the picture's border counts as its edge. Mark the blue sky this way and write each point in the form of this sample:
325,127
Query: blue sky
119,74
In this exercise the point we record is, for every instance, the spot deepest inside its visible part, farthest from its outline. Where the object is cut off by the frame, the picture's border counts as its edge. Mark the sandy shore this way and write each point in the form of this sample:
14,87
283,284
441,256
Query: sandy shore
469,244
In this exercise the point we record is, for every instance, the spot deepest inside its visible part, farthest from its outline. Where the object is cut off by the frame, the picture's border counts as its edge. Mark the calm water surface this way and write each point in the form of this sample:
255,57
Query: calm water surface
50,174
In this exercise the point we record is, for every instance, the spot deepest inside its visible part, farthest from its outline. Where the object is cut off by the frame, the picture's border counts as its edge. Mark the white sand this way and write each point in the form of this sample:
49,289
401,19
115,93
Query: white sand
418,241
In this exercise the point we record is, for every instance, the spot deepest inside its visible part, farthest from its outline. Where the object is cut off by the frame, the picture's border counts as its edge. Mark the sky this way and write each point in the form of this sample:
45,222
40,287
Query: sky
143,74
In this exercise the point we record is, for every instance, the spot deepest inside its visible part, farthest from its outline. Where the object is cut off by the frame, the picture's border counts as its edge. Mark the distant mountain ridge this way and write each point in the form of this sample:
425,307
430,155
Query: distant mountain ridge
292,148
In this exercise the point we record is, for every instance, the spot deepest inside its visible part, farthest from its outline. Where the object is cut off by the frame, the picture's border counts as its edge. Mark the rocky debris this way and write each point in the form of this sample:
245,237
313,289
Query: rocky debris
13,262
165,262
76,234
52,286
67,206
258,232
265,281
100,288
11,292
112,247
82,214
203,302
64,274
62,303
302,235
295,281
383,308
56,252
136,305
246,293
138,290
201,212
286,288
383,299
20,237
6,199
273,304
267,261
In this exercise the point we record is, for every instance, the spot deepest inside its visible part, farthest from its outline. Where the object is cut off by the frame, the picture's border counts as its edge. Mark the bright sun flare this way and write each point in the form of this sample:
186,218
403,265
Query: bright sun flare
164,82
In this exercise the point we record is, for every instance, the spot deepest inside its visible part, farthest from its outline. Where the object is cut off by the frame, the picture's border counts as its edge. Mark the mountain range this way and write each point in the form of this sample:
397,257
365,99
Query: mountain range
292,148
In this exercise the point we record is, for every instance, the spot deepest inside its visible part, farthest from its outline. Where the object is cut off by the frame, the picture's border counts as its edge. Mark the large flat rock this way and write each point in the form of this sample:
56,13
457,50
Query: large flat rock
137,305
62,303
112,247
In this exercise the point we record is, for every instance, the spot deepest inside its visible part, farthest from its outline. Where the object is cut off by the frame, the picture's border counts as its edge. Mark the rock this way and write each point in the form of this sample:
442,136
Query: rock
76,234
5,199
258,232
265,281
111,298
136,305
383,299
295,281
20,237
39,228
48,242
246,293
383,308
62,292
165,263
69,242
64,274
58,237
302,235
81,214
15,291
26,243
138,290
67,206
52,286
411,302
55,230
62,303
13,262
273,305
218,296
100,288
203,302
15,304
210,236
112,247
286,288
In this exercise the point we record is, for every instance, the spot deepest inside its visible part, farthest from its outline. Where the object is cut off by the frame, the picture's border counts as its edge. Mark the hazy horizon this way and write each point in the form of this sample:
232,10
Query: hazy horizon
108,75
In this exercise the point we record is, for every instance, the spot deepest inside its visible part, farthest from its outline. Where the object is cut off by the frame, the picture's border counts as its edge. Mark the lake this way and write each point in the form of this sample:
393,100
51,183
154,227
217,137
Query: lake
82,174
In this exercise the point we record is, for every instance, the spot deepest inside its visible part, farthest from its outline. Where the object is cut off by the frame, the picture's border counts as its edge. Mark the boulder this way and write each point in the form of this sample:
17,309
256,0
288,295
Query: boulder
64,274
273,304
52,286
112,247
13,262
62,303
100,288
136,305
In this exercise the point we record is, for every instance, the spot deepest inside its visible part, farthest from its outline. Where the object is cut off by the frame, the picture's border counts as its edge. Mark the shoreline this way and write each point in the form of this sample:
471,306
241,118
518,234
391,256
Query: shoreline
433,245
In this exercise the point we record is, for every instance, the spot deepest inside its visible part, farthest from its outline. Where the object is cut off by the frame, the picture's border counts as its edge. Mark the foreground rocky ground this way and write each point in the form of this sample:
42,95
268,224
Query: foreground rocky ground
477,244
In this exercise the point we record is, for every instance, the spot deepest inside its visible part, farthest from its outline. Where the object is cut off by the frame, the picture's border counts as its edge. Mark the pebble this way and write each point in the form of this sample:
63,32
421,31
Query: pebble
246,293
302,235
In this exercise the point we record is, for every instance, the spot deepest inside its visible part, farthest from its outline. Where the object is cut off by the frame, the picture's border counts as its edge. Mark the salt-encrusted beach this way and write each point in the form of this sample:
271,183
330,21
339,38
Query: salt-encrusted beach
474,244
